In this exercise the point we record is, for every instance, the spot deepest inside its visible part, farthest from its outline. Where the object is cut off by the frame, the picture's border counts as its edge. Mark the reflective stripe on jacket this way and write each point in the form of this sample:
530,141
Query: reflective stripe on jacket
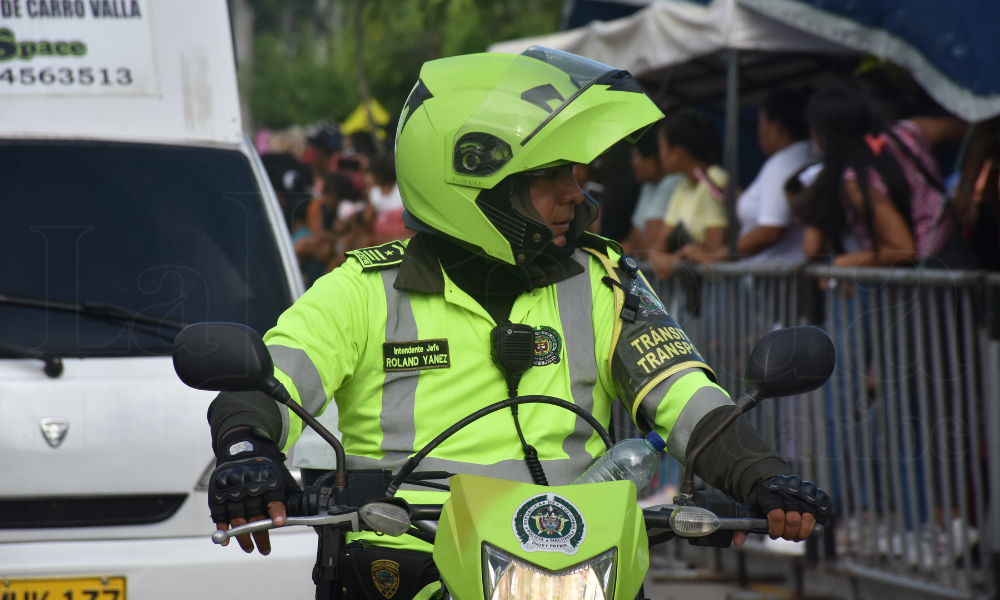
405,365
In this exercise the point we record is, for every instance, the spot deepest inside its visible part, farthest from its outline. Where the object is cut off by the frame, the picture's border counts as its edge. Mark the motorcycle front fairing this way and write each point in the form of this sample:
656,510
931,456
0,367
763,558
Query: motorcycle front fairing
527,542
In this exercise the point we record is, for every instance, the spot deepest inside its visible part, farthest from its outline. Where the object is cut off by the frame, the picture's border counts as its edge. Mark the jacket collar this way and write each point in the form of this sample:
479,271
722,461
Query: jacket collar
420,270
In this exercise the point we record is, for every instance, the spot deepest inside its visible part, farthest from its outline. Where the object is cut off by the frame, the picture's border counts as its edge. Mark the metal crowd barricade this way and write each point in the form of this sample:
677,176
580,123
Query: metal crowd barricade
905,436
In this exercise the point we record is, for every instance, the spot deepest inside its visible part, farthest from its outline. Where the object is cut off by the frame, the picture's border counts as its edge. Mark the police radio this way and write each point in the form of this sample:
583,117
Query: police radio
513,352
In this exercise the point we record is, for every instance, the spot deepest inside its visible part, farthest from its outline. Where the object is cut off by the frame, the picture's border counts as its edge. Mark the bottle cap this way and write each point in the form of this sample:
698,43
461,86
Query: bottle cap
656,441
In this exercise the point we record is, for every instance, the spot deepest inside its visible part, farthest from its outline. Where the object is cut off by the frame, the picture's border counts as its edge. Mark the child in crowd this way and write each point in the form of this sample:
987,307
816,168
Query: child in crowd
654,194
696,218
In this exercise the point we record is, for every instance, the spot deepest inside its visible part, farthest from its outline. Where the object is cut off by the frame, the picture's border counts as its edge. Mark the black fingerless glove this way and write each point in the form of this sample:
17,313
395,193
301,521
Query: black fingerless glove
249,474
791,494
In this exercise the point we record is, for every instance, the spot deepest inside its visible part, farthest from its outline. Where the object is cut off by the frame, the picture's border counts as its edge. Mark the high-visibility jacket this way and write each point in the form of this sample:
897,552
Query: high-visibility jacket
405,365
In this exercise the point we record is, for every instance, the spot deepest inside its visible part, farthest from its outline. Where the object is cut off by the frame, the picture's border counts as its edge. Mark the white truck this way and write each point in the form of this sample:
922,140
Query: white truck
132,203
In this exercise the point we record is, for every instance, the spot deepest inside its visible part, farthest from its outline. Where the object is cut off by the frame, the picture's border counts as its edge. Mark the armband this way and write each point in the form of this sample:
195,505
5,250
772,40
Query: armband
648,344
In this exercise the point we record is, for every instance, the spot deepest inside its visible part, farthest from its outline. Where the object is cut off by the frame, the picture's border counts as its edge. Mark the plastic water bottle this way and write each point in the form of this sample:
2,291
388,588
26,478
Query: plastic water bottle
633,460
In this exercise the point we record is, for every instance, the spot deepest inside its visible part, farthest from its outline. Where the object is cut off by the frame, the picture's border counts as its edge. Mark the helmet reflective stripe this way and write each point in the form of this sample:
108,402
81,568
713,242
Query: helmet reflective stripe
473,121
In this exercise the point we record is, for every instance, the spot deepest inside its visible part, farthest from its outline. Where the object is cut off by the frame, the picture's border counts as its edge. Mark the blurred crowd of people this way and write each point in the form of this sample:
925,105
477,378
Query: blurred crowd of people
338,193
838,186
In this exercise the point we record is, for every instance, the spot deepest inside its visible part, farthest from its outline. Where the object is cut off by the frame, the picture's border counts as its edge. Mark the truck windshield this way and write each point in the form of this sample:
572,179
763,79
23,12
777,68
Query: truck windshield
164,231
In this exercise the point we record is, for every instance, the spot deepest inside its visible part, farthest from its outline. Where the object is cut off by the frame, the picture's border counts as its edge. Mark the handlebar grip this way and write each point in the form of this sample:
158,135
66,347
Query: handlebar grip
295,505
752,512
759,526
748,521
744,511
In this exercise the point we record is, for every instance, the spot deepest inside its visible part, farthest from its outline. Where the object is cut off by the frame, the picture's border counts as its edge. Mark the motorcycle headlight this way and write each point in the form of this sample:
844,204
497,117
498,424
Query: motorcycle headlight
509,578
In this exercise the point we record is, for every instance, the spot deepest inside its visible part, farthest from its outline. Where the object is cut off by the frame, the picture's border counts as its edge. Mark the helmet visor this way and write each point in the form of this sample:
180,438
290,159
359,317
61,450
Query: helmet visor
536,87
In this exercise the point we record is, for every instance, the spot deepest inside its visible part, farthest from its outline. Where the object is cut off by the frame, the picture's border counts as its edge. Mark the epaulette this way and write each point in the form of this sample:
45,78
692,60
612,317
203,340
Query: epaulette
381,257
599,243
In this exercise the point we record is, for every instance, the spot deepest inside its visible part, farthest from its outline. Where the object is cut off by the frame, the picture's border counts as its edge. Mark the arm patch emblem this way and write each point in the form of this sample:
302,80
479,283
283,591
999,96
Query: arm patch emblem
649,304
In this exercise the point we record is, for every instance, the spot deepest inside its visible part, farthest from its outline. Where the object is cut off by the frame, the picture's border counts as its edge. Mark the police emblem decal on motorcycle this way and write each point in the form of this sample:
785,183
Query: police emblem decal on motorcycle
549,523
548,346
385,573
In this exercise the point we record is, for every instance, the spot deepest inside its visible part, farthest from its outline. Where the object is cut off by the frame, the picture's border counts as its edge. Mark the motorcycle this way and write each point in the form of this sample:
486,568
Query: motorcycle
496,539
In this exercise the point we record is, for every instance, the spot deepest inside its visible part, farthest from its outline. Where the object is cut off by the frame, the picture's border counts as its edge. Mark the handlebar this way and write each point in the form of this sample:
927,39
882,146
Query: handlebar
655,518
751,520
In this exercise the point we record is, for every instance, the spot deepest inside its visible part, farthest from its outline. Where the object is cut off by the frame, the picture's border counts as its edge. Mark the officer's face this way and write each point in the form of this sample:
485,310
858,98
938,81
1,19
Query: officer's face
555,194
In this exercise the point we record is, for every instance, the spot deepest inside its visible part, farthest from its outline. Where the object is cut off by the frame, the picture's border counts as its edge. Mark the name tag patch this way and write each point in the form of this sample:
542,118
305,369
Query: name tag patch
417,355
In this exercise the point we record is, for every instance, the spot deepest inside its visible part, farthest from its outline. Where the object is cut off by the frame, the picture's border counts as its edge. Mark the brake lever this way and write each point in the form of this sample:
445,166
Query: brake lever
220,537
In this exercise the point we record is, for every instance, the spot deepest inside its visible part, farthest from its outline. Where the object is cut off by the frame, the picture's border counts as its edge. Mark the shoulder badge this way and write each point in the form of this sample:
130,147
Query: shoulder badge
599,243
381,257
549,523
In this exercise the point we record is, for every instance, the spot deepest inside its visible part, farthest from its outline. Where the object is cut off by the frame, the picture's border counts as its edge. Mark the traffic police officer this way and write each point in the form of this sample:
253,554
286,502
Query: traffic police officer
399,336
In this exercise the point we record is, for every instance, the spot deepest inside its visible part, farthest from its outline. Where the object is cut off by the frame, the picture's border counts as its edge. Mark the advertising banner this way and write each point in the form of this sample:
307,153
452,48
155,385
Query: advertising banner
76,47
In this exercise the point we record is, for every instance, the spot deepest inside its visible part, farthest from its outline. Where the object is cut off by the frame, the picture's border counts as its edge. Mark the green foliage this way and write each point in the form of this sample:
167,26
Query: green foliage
304,68
290,86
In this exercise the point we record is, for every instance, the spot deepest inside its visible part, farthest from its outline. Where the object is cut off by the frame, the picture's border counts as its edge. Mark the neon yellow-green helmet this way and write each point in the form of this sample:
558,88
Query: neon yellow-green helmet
472,122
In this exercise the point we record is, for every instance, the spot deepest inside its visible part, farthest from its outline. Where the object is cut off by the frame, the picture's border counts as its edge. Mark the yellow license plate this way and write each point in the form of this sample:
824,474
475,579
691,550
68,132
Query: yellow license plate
69,588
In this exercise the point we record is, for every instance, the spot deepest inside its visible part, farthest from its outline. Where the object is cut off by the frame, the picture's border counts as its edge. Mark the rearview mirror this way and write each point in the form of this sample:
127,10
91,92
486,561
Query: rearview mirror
229,357
223,357
787,362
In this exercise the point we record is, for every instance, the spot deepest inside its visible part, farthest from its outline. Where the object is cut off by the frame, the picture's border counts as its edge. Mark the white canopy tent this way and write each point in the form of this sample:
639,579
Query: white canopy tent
671,32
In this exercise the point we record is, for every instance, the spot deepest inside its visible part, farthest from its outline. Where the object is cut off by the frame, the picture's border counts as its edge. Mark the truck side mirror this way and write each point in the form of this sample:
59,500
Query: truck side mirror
223,357
787,362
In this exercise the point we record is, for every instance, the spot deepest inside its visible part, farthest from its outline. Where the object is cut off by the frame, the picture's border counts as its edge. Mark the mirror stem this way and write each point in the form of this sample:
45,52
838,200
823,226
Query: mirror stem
280,394
746,401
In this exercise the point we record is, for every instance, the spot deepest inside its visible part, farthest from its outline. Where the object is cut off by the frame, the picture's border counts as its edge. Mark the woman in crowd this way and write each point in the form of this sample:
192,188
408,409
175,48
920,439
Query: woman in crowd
766,229
878,200
696,218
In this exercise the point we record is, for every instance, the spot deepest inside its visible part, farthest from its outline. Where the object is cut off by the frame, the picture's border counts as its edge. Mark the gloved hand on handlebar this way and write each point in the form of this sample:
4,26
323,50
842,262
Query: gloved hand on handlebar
793,507
249,484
